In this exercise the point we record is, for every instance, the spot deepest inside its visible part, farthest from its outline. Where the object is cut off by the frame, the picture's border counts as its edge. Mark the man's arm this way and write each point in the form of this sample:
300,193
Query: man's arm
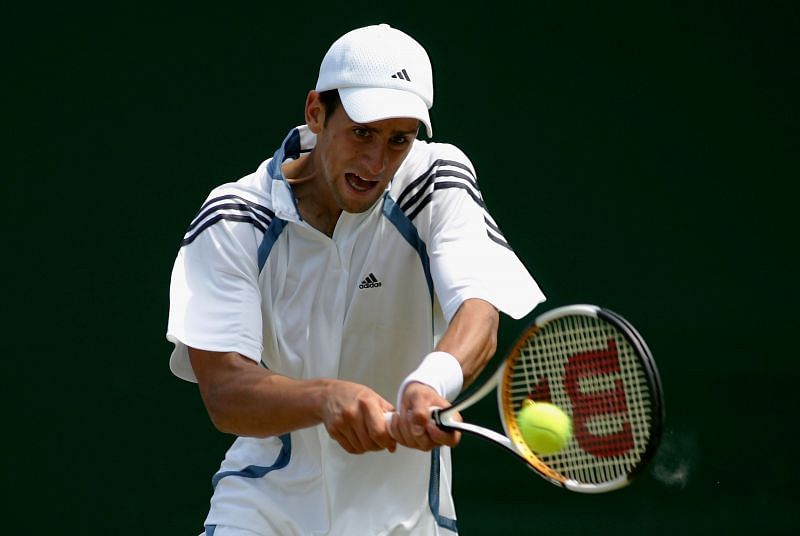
471,338
246,399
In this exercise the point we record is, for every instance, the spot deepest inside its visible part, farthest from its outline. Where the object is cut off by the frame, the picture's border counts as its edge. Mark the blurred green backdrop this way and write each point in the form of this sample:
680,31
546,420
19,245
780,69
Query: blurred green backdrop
640,157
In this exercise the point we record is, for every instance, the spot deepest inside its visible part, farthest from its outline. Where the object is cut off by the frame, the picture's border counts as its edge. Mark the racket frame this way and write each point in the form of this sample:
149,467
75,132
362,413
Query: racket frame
513,442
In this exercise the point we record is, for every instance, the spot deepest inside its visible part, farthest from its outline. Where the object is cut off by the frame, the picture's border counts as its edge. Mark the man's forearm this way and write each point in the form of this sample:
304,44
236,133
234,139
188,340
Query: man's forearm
471,337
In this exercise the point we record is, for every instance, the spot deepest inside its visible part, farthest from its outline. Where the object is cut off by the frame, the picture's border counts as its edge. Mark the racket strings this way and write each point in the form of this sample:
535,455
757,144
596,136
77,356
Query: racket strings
587,368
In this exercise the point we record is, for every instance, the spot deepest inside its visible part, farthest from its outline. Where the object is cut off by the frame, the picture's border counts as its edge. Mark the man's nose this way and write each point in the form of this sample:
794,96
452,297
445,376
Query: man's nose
375,159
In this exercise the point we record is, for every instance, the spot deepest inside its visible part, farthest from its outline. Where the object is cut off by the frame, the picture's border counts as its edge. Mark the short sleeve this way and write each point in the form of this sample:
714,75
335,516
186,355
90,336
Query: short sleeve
470,257
215,300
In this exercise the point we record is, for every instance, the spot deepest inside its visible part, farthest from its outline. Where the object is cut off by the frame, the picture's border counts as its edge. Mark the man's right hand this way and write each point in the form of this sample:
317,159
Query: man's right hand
413,427
353,415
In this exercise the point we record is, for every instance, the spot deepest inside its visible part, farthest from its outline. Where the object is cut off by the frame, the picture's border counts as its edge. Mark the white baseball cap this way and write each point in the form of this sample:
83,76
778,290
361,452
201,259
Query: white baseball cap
380,73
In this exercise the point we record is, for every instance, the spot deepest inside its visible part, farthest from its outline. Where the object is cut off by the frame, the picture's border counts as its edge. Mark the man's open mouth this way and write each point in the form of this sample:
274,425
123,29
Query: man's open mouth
359,184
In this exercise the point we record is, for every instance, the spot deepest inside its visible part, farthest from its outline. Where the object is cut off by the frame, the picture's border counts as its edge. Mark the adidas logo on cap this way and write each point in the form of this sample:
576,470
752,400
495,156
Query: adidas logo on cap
370,282
402,75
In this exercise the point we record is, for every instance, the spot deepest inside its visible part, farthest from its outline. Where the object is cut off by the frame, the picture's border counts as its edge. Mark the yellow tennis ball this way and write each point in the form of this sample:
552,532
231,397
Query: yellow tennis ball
545,428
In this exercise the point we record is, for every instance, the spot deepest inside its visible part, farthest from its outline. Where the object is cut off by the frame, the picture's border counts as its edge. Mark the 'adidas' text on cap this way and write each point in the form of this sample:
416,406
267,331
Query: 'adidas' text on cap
380,73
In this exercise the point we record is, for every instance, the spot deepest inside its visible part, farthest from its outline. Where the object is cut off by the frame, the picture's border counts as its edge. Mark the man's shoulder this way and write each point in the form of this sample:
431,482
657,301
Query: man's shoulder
427,161
252,188
246,200
426,154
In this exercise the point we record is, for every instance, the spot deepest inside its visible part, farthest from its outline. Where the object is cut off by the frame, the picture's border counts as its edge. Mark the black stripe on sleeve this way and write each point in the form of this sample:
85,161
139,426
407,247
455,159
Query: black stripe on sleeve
227,217
413,184
457,164
426,176
229,206
443,186
432,179
498,240
424,194
247,202
492,225
422,205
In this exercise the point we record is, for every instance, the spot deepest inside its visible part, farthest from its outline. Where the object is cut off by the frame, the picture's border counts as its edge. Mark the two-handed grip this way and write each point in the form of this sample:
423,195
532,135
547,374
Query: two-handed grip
436,416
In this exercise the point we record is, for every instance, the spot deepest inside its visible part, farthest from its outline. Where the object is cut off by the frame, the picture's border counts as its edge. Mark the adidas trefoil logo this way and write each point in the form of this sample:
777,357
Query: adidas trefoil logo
403,75
370,282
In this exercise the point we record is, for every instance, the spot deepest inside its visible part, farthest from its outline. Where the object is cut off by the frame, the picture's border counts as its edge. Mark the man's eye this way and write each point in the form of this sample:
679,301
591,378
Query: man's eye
361,132
399,140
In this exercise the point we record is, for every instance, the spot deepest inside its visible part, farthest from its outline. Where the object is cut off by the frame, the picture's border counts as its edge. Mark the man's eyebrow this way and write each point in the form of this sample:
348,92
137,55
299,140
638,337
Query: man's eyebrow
394,132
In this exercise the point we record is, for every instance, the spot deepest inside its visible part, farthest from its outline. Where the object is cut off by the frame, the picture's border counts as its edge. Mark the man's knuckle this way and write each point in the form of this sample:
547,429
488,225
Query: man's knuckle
348,414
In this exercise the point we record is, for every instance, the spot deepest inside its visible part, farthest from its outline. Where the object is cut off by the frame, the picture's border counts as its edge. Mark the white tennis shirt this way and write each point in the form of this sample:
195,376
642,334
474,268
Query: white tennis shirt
365,305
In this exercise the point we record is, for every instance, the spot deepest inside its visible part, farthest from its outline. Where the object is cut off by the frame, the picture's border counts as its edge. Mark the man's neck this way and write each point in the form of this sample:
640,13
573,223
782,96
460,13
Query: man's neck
314,201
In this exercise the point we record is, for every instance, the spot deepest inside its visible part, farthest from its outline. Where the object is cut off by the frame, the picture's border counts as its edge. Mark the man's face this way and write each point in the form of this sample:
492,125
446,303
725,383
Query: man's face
359,159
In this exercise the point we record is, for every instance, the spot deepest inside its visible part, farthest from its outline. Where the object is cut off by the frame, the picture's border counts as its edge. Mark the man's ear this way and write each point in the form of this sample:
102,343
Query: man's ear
315,112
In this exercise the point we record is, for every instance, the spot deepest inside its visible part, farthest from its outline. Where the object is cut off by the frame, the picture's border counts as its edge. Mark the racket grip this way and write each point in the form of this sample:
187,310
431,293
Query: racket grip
387,416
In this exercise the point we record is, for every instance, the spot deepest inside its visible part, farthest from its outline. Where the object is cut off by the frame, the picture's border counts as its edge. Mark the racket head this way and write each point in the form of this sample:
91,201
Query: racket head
596,367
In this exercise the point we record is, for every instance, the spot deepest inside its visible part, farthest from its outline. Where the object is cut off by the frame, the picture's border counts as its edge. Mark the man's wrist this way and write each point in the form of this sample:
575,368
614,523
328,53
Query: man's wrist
439,370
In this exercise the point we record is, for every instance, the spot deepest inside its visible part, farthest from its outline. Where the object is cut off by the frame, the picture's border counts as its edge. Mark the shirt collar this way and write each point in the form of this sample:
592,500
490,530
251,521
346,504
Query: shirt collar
298,142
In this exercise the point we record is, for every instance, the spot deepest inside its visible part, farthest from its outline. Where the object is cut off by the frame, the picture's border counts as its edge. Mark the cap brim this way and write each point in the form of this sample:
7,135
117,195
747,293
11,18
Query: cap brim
368,104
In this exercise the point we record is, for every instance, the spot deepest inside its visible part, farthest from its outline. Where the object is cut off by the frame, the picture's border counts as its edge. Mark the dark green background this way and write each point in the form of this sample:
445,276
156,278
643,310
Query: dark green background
640,158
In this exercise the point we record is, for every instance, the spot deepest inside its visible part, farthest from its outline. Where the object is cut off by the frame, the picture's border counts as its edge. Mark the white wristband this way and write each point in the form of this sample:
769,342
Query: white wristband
439,370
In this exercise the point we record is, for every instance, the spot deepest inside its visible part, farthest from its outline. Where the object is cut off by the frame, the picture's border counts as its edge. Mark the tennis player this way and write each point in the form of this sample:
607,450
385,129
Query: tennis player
354,273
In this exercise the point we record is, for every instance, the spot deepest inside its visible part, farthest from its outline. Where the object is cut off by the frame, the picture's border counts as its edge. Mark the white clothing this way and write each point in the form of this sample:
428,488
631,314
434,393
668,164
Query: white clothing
365,305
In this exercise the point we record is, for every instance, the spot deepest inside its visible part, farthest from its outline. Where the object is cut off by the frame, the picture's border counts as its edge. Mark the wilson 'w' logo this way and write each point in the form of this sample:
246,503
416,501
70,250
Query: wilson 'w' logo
596,368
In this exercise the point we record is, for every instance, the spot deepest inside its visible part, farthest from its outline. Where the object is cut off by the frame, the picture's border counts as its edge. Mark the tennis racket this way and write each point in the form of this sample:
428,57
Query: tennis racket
596,367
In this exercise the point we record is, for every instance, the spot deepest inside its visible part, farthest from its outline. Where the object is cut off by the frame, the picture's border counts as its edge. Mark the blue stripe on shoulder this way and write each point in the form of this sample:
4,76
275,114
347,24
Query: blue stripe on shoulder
256,471
270,237
404,226
292,146
433,495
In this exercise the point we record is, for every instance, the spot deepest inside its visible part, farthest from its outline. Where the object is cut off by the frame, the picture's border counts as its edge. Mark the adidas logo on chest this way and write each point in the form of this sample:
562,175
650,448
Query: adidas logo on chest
370,282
